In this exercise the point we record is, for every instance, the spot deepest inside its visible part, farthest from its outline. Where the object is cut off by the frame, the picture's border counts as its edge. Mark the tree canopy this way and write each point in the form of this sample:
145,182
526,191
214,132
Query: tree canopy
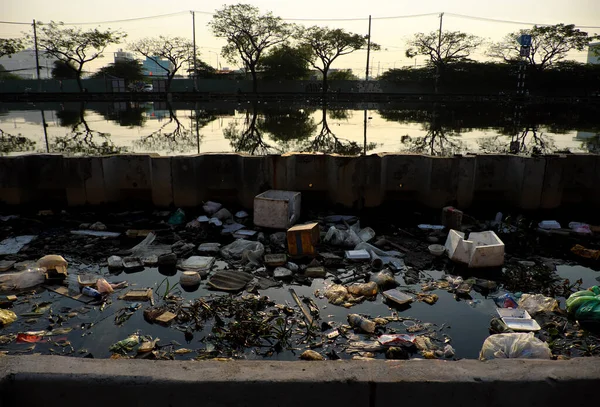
63,70
327,44
285,62
75,46
176,50
130,70
248,34
549,44
452,46
10,46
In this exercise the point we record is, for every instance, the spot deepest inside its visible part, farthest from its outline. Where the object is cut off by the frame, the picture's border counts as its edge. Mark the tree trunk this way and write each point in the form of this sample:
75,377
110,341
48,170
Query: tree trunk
169,80
254,79
79,83
325,84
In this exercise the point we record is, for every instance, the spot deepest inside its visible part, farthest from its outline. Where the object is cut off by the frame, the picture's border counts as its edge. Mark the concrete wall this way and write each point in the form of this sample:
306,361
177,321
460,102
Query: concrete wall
185,181
65,381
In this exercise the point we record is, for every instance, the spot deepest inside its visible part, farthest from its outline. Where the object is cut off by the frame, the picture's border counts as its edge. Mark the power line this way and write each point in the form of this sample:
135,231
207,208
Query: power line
14,22
129,19
495,20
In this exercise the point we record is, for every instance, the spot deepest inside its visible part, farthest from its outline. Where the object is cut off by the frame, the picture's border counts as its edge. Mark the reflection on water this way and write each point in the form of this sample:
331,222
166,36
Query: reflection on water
259,128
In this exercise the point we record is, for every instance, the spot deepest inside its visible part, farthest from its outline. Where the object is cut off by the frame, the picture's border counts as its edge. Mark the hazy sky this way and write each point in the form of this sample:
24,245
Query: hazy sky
390,33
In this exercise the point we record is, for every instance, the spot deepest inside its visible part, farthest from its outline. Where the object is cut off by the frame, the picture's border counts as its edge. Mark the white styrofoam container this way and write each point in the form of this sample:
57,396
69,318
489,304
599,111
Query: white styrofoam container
277,209
522,324
483,249
513,313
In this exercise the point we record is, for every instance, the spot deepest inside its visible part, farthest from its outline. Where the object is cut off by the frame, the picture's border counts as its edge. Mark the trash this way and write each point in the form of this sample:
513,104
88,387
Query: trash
391,258
358,255
115,262
390,339
437,249
430,227
277,209
330,259
311,355
183,351
243,234
481,285
90,292
306,314
315,272
232,228
274,260
6,265
514,345
581,228
26,337
201,264
104,287
451,218
126,345
395,352
506,301
549,224
203,219
147,346
168,259
150,260
363,323
95,233
340,219
498,326
137,295
585,305
189,278
534,303
13,245
229,280
384,279
243,249
366,234
7,317
53,262
215,222
137,233
166,318
178,218
99,226
132,263
209,248
449,351
241,214
521,324
87,280
484,249
64,291
398,297
427,298
7,300
338,237
301,239
183,249
366,289
222,214
211,207
23,279
281,273
581,251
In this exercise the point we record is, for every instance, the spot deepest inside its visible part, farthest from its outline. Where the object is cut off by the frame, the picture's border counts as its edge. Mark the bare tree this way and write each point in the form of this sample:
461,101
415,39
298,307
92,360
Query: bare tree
176,50
248,33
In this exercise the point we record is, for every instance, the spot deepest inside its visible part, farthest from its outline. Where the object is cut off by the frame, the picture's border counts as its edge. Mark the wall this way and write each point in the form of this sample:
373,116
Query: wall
525,182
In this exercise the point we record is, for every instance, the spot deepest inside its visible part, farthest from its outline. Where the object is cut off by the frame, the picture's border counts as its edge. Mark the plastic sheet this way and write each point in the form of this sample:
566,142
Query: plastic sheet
514,345
585,305
534,303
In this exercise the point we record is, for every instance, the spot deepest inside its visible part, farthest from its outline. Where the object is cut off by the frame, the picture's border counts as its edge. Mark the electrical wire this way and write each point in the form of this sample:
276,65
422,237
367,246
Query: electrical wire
130,19
495,20
14,22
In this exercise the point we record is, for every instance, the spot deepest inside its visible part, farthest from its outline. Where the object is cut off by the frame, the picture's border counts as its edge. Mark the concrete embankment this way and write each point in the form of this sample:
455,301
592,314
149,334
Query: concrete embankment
66,381
530,183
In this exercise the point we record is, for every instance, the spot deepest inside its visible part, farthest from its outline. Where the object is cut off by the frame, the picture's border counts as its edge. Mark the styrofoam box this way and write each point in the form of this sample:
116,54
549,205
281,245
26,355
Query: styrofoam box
277,209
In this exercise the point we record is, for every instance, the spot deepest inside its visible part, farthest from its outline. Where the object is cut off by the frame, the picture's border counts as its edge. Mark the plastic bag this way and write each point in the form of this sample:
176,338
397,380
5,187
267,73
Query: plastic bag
585,305
104,287
24,279
534,303
7,317
514,345
243,249
506,301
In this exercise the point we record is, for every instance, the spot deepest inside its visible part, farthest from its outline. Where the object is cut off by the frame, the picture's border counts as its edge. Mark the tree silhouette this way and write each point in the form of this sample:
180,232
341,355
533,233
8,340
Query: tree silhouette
248,138
10,143
527,142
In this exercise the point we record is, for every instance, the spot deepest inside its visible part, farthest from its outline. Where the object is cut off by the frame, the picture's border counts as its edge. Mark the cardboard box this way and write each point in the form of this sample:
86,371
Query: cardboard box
302,239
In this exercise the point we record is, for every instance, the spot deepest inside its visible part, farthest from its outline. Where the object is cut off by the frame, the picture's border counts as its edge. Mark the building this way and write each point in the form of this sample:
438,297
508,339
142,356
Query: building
593,56
123,56
23,64
154,67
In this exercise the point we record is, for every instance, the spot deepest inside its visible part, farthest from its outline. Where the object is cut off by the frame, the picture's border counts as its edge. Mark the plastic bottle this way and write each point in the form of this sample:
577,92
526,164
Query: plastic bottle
90,292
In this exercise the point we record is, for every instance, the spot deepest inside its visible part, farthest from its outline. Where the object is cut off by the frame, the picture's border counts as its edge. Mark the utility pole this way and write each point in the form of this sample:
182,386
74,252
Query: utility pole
368,49
194,41
437,75
37,58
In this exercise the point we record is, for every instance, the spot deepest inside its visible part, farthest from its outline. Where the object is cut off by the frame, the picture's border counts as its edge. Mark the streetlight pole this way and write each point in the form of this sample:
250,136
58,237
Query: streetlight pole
194,42
368,49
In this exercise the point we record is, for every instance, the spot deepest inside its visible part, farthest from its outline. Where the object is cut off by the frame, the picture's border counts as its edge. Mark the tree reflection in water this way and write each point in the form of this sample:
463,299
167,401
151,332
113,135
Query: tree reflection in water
10,143
327,142
527,142
127,114
82,140
248,138
173,136
288,127
439,140
592,144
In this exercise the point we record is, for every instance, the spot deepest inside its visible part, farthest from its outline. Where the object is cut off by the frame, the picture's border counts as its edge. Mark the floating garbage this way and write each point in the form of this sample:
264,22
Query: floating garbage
115,262
13,245
362,323
581,251
229,280
211,207
585,305
200,264
534,303
178,218
302,239
514,345
23,279
358,255
277,209
7,317
274,260
397,297
484,249
189,278
311,355
126,345
367,289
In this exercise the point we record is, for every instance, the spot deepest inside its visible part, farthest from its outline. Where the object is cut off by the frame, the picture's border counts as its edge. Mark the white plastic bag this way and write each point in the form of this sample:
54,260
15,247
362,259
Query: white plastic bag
514,345
24,279
534,303
243,249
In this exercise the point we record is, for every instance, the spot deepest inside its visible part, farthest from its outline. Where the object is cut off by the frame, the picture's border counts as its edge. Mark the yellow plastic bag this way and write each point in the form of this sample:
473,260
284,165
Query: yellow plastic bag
7,317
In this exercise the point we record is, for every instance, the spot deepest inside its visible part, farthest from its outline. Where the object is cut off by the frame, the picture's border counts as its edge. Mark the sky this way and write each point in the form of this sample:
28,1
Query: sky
390,33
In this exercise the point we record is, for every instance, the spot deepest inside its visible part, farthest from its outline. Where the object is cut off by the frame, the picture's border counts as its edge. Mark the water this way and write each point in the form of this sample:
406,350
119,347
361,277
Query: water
96,128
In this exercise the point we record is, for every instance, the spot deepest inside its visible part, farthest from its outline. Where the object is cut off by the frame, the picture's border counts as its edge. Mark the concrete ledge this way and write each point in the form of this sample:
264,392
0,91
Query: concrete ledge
65,381
530,183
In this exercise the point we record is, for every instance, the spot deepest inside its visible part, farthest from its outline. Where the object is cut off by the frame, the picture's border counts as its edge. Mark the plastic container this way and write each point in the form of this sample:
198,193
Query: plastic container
549,224
522,324
483,249
90,292
277,209
436,249
513,313
189,278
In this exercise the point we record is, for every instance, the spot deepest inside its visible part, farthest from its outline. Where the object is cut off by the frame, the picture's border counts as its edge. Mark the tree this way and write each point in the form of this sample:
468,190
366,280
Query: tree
10,46
63,70
8,75
549,44
285,62
75,46
203,70
248,34
327,44
175,50
343,75
452,46
130,70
